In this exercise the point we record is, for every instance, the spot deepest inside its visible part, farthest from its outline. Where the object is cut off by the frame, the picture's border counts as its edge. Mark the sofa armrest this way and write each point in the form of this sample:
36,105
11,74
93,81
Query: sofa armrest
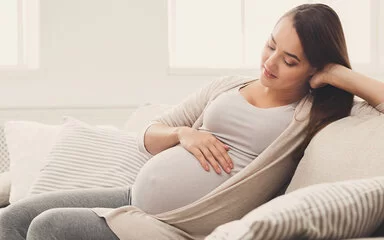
372,238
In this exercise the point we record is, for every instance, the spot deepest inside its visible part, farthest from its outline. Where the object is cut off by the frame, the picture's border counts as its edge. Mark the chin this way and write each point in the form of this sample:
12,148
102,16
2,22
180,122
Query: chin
265,81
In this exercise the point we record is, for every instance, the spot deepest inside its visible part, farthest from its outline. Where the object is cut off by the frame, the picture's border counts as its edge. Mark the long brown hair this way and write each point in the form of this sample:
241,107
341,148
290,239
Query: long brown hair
321,34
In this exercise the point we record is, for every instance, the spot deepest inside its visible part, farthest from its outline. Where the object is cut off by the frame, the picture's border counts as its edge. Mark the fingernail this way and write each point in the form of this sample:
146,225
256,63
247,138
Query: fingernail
207,168
228,170
218,170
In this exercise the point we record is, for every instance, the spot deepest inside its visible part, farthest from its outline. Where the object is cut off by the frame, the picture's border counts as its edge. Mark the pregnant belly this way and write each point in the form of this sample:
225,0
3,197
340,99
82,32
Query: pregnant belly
172,179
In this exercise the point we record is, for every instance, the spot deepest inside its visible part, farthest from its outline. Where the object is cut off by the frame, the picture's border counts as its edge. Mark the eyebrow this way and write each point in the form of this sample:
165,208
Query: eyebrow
289,54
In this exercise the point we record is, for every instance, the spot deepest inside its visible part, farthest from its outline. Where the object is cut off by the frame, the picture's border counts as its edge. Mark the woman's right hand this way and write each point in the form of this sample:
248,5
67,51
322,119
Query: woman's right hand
206,148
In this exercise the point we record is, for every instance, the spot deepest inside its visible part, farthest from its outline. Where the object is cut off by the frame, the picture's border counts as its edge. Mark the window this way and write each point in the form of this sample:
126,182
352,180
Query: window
361,33
197,42
19,34
220,37
381,33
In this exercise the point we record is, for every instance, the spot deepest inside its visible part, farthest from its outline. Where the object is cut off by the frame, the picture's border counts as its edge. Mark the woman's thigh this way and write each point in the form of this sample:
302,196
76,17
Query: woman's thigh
69,223
15,219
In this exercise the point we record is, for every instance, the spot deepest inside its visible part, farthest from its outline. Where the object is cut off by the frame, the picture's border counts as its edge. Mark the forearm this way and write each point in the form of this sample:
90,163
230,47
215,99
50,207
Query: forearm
159,137
367,88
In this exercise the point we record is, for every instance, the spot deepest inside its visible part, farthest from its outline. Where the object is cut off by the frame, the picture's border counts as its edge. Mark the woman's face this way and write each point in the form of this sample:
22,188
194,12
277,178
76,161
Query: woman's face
283,64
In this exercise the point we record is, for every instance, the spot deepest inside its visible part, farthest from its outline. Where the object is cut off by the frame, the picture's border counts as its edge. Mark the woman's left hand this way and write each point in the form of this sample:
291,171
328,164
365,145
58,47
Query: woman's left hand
323,77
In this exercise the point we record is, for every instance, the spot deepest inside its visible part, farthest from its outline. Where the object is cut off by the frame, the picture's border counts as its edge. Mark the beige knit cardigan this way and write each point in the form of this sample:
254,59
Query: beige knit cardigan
256,184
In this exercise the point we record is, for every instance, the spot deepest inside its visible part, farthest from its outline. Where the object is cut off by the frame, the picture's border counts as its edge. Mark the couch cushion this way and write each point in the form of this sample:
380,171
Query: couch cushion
28,144
346,209
86,156
142,116
350,148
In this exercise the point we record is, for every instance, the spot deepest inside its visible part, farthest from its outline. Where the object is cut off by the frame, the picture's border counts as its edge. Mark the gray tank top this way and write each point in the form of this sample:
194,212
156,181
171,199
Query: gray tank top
175,178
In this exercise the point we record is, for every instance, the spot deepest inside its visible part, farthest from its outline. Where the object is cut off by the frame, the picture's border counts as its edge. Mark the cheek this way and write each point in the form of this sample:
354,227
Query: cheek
294,76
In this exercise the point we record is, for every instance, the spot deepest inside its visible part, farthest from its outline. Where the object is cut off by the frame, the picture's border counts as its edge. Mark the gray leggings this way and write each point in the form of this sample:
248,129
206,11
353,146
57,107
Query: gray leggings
62,215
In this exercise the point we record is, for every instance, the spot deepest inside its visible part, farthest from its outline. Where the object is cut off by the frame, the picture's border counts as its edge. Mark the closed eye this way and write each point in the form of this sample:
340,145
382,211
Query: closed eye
287,53
289,64
270,47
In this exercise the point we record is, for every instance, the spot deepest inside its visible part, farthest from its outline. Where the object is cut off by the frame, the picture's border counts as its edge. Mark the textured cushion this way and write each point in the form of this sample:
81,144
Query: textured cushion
4,156
5,188
142,116
85,156
28,144
350,148
345,209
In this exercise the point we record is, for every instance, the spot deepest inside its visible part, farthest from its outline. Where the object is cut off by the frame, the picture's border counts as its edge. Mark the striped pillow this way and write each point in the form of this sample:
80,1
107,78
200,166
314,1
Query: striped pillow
348,209
85,156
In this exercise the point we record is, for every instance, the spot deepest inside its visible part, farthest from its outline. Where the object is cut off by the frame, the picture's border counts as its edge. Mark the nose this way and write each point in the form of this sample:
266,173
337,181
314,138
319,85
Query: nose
271,61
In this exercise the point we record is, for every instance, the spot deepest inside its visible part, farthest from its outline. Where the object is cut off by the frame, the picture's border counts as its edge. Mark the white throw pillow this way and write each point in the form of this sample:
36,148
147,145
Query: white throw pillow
345,209
141,117
5,188
85,156
28,145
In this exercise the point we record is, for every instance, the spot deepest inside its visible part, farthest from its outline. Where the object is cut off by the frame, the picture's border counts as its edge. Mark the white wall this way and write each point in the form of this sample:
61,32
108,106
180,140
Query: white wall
98,53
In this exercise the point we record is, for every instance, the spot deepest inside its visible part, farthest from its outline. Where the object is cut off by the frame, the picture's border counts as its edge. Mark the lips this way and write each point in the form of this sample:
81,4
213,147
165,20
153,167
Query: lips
268,74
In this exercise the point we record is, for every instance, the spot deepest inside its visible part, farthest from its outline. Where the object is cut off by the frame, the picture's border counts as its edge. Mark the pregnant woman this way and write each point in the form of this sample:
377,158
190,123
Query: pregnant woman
215,133
233,134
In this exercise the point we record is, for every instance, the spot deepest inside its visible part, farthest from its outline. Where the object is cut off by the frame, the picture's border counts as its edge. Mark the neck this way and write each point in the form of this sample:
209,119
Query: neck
284,96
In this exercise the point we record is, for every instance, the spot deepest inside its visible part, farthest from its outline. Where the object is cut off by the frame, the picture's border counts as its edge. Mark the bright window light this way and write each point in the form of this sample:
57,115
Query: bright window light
19,34
381,32
357,30
9,32
260,19
206,34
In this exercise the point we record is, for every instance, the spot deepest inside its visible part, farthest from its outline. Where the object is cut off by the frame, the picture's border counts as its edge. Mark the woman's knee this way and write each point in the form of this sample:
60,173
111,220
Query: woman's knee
16,219
69,223
46,225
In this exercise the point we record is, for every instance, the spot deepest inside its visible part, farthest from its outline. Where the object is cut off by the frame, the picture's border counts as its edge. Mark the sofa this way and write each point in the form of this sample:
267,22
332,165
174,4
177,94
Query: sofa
340,157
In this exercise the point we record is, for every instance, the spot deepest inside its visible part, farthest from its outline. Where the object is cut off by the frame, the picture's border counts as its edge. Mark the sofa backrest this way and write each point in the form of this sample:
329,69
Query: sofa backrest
350,148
